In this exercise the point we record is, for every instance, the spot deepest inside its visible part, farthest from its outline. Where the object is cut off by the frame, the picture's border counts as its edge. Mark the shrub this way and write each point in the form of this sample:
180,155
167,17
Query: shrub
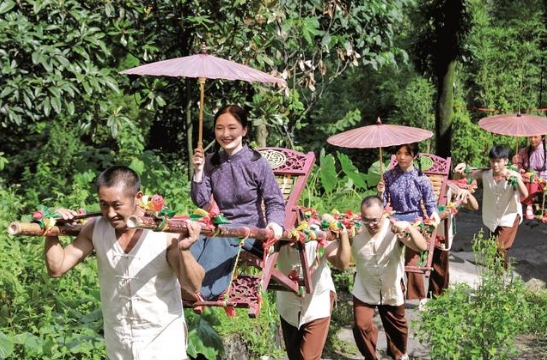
477,324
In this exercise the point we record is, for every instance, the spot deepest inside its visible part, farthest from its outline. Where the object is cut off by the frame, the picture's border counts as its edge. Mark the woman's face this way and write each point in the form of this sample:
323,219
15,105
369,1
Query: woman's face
534,140
229,133
404,157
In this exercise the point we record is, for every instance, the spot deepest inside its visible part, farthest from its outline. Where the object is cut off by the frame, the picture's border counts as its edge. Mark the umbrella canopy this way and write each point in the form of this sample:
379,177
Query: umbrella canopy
378,136
515,124
203,66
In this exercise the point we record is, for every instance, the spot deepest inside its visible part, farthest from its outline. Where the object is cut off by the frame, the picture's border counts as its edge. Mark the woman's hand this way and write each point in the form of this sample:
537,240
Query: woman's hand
381,187
198,160
277,230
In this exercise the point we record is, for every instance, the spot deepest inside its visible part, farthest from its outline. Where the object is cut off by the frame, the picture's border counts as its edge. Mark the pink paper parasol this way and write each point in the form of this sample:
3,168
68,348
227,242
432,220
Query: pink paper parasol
378,136
515,125
203,66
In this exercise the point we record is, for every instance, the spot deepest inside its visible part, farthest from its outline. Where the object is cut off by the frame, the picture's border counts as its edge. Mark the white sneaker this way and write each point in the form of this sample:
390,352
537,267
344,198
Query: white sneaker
404,357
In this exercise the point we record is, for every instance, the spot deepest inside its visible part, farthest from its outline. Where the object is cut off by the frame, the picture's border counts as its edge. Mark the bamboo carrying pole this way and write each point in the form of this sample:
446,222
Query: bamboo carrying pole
172,225
62,227
34,229
234,231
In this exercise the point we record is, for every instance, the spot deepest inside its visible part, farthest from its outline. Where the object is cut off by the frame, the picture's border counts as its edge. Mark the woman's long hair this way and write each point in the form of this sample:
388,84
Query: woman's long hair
241,116
529,150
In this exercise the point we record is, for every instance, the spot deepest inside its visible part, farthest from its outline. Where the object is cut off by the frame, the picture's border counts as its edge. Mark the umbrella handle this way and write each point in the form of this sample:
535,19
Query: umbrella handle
200,125
381,165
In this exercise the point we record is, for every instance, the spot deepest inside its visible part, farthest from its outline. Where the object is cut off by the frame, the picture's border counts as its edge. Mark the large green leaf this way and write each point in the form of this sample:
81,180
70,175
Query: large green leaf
6,6
351,171
327,173
203,339
31,342
375,171
6,346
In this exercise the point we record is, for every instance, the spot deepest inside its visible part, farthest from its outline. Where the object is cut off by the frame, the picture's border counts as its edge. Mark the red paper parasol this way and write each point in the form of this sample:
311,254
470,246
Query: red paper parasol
378,136
203,66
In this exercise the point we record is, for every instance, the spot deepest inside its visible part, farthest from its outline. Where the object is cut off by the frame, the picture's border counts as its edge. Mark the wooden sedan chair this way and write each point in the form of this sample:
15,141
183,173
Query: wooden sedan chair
253,275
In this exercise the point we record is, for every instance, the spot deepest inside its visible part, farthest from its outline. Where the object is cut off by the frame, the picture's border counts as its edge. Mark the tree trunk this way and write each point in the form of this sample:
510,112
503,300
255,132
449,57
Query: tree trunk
261,134
444,109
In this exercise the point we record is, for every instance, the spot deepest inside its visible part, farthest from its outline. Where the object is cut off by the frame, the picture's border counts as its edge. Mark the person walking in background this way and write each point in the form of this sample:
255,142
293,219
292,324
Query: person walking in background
533,157
502,190
404,188
440,276
140,272
305,319
240,181
378,253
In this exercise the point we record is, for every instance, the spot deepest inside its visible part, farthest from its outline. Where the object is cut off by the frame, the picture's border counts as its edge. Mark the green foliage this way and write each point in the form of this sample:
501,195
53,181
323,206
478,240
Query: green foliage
43,318
465,323
469,142
63,46
3,161
537,302
506,70
202,337
59,94
168,181
415,104
256,334
342,189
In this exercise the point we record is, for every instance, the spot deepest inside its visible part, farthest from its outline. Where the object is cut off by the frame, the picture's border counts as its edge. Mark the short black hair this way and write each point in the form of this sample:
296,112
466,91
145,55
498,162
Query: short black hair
499,152
371,200
120,174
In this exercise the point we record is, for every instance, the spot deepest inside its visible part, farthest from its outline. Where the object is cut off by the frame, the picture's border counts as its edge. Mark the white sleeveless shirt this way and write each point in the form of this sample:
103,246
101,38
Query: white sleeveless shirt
141,298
